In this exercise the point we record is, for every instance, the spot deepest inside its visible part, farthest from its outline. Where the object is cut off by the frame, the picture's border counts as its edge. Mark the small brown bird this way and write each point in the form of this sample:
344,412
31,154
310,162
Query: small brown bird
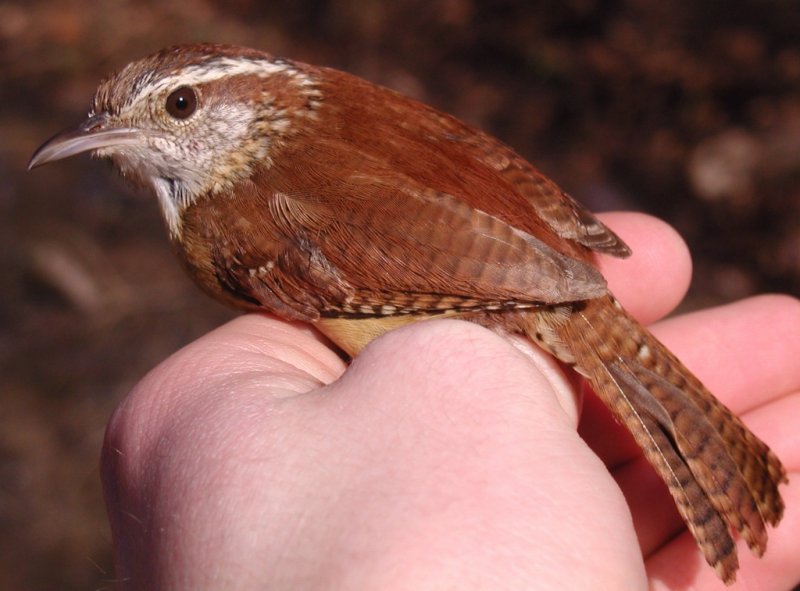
321,197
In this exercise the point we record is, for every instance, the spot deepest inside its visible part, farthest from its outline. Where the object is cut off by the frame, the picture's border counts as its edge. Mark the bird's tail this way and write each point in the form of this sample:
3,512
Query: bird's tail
722,477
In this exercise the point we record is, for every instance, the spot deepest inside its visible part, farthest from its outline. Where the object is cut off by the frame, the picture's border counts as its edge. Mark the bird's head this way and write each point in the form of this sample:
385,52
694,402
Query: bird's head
190,120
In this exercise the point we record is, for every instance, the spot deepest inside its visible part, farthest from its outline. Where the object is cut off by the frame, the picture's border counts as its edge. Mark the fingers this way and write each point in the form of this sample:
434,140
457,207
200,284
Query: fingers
255,339
430,462
653,281
776,424
746,352
439,445
657,520
164,440
679,565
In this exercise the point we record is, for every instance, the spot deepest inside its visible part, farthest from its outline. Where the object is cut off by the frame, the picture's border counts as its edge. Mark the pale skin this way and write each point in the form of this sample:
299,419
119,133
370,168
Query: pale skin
442,458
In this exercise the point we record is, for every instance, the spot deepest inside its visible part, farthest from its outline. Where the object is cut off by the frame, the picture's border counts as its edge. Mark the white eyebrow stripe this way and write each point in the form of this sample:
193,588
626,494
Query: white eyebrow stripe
218,68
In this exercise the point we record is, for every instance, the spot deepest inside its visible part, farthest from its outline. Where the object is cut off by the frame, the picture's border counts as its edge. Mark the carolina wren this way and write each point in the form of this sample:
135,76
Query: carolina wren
321,197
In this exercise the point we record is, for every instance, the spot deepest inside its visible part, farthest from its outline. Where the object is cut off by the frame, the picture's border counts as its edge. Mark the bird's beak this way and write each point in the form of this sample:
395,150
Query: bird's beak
93,134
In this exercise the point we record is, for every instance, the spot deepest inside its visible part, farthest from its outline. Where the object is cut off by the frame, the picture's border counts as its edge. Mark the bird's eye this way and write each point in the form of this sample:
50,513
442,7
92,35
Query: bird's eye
182,103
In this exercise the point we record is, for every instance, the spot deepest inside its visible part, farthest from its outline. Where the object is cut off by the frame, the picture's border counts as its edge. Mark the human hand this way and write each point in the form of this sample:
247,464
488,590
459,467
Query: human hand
442,458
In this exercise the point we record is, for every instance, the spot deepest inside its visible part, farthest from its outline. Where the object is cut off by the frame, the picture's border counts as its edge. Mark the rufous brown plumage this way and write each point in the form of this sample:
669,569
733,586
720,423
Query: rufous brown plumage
321,197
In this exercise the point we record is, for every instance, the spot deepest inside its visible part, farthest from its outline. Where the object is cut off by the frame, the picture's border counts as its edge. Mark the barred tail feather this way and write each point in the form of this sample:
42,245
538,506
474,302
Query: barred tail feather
722,477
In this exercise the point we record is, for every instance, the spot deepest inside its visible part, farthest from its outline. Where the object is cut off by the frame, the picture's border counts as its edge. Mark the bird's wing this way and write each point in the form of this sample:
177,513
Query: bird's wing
440,152
363,242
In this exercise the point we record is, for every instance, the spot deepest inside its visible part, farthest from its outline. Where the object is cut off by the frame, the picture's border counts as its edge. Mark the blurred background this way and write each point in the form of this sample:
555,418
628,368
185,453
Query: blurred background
689,110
